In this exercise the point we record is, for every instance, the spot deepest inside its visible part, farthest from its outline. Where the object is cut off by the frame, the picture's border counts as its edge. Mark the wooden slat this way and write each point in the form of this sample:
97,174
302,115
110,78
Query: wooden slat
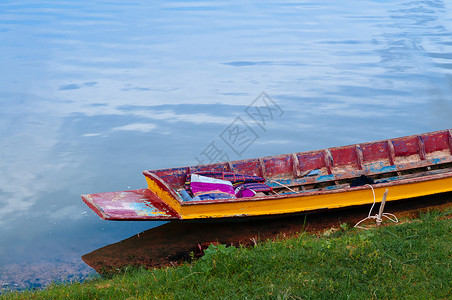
421,147
139,204
328,161
295,166
231,166
391,152
262,167
450,140
359,157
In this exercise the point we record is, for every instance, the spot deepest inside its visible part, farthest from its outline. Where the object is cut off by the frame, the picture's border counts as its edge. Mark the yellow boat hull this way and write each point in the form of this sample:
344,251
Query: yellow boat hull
309,201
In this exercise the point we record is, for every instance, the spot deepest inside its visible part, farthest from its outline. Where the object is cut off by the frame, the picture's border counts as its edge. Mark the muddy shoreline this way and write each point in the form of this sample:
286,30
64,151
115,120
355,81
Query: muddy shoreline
172,243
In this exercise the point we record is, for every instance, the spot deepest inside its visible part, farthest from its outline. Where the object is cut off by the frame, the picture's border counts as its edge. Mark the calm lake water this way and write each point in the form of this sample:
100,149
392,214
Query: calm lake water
94,92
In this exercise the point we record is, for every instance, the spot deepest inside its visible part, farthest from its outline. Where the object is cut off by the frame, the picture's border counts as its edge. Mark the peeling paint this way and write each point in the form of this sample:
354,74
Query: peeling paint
146,209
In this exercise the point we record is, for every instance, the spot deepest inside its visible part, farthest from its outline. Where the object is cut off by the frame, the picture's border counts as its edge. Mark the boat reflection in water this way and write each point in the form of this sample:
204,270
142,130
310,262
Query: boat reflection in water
173,242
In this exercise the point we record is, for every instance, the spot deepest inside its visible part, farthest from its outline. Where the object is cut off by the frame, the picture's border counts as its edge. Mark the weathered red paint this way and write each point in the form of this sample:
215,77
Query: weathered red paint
126,205
248,166
376,152
436,141
280,166
405,146
450,140
313,160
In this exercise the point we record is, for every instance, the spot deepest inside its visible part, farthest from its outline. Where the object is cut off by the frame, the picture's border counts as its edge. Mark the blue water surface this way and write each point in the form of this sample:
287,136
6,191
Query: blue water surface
94,92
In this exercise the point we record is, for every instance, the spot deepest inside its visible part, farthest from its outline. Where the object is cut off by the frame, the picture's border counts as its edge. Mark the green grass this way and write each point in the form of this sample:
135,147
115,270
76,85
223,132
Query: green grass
406,261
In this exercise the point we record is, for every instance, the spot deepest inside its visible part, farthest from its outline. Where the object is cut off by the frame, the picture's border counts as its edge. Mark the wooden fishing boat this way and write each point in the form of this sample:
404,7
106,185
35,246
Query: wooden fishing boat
408,167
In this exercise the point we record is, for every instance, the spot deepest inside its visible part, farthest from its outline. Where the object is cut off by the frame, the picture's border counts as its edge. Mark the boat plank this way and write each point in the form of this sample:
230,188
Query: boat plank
329,162
359,156
421,147
295,166
139,204
391,152
278,166
450,140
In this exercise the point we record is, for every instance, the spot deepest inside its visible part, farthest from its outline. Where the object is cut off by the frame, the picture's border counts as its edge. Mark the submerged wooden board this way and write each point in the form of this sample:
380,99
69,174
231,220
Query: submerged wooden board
129,205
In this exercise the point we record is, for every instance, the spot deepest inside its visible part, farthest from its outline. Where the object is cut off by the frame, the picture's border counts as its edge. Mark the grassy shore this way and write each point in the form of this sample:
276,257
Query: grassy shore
406,261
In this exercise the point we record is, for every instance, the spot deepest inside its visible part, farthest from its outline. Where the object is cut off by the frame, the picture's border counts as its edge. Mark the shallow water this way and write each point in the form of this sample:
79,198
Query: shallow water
92,93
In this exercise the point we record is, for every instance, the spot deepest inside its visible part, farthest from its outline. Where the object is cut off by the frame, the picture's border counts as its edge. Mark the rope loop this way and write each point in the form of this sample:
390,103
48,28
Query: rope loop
377,218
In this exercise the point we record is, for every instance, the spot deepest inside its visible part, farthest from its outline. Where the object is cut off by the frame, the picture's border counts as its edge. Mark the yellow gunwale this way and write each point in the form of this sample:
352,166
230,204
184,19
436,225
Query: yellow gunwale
294,203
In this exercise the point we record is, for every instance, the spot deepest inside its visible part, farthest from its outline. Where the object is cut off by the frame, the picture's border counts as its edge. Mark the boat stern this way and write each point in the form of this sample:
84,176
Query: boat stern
139,204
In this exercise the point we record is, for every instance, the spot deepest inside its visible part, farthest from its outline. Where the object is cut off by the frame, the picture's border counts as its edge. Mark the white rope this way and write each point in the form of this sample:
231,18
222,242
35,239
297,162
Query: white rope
377,218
